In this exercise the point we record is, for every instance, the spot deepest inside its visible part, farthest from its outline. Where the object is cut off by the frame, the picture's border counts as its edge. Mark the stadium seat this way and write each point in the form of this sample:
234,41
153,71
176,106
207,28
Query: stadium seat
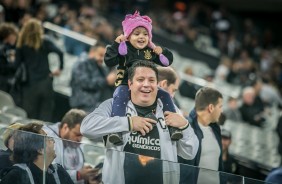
7,119
17,111
6,99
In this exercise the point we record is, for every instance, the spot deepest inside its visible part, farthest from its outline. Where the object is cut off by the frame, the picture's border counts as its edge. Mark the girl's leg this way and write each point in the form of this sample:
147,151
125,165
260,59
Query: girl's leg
120,100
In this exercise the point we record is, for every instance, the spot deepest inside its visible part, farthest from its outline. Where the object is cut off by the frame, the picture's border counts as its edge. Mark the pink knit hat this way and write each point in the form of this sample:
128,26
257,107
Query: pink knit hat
136,20
130,23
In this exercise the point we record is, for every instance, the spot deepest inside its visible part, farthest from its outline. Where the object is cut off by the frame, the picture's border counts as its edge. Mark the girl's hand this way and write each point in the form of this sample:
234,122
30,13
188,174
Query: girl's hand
121,38
158,50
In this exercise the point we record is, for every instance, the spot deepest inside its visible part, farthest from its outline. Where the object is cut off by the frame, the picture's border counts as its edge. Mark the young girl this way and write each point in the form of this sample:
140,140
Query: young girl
136,44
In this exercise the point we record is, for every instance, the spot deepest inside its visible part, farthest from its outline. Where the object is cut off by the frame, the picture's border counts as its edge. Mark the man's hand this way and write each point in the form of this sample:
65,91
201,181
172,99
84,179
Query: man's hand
143,125
175,120
95,179
111,78
158,50
121,38
55,73
88,171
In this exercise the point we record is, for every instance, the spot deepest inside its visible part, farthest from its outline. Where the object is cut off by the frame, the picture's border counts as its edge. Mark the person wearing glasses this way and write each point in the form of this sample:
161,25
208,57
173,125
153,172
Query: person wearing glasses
33,155
68,150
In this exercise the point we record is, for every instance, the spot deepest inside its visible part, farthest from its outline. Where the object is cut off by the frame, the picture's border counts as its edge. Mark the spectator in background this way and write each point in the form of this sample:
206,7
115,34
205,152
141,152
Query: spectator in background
233,76
232,111
276,73
265,61
233,45
168,80
267,93
223,68
243,70
252,107
187,88
221,26
32,50
8,37
90,81
14,9
69,153
8,139
230,165
74,46
33,154
208,109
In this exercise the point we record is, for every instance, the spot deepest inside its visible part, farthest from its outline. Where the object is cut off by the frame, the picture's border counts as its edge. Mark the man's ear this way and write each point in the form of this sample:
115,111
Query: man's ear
210,107
129,83
41,151
65,128
163,83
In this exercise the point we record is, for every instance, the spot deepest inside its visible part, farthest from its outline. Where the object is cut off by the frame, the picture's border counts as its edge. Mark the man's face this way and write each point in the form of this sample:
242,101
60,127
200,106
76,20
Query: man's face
249,97
143,86
50,146
11,39
99,54
171,89
71,134
217,110
11,143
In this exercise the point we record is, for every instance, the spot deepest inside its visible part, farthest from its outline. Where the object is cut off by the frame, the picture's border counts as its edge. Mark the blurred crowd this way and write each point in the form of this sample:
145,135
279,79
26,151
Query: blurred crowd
250,51
249,54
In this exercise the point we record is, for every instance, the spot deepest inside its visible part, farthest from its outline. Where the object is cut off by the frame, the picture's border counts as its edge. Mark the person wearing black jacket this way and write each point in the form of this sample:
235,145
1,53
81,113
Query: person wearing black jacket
91,82
208,108
252,108
8,36
32,50
33,154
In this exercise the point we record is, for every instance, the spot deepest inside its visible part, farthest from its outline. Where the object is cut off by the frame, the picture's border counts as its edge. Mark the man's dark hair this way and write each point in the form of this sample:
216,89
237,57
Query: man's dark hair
7,29
206,96
167,73
28,143
141,63
73,117
222,119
